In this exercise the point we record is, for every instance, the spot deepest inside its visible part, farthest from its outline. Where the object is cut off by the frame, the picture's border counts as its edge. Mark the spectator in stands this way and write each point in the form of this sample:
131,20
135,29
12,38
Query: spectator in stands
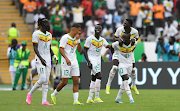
169,31
11,53
56,21
77,12
117,20
21,5
87,5
107,33
30,6
158,12
12,33
143,58
37,16
69,16
98,4
52,8
168,4
139,21
111,5
39,3
135,6
178,9
162,50
100,13
90,25
174,50
107,19
22,64
48,2
45,11
124,7
61,9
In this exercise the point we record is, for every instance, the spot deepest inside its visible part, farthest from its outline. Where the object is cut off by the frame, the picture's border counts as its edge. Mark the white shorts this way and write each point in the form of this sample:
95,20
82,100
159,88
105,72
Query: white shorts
125,69
69,71
96,67
115,55
41,69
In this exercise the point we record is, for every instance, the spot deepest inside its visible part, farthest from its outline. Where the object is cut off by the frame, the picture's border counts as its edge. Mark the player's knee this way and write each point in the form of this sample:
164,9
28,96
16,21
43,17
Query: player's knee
42,80
64,82
125,77
98,75
115,62
114,69
93,78
75,82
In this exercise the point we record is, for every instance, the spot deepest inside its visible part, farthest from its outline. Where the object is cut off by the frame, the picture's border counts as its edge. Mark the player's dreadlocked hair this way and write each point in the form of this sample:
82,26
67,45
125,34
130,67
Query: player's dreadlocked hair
44,24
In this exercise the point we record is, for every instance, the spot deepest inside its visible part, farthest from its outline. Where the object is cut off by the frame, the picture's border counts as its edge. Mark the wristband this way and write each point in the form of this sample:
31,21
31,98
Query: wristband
78,41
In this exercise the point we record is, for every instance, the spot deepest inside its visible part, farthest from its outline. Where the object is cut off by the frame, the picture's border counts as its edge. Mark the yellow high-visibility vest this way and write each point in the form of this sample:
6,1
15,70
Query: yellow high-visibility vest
13,32
23,62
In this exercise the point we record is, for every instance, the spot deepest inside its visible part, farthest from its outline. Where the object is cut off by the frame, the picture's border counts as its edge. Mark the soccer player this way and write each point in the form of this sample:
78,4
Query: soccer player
92,53
125,52
133,36
42,47
69,64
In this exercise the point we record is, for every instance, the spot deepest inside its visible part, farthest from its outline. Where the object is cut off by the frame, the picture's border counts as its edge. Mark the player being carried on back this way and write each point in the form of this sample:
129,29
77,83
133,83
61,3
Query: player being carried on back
133,37
92,53
125,52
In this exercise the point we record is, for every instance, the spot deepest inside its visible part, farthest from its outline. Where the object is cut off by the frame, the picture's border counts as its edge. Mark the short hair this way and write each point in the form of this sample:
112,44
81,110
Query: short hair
76,25
13,25
130,21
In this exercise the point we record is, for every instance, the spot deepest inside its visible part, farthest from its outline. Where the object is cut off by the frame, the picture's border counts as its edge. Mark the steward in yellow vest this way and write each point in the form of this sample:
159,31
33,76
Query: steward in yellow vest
13,33
22,64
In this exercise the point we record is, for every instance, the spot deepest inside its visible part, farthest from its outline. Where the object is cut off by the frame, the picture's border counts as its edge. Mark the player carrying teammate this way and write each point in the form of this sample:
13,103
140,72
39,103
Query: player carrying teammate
125,51
69,64
92,53
42,47
133,36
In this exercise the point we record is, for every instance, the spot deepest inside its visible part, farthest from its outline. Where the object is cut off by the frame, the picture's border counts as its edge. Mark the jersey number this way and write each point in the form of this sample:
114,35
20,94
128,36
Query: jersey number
66,72
45,47
72,50
121,70
41,70
126,55
97,49
97,68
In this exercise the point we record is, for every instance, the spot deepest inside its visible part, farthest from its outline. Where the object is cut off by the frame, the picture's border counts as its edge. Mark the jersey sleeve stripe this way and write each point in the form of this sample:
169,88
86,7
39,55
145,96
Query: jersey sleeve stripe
115,36
86,47
61,47
107,46
35,42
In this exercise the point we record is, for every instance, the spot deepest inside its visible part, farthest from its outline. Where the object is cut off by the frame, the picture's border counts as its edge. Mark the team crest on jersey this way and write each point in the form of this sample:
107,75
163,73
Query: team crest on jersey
72,43
127,50
45,38
97,43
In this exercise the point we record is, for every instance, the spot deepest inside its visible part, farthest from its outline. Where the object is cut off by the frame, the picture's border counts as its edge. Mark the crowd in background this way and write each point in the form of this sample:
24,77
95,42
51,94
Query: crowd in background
156,17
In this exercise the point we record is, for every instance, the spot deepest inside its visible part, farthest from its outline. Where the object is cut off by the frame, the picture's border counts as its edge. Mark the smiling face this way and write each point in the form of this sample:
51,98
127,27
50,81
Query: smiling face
98,29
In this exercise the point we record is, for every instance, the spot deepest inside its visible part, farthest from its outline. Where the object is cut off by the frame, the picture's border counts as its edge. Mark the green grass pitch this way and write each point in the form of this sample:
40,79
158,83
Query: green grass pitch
147,100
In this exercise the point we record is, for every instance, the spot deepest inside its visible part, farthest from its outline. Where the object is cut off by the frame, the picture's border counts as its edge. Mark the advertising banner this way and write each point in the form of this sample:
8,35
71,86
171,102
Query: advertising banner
149,75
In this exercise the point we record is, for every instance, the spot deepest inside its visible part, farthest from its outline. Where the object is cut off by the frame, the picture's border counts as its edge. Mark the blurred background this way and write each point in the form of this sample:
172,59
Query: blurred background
158,23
